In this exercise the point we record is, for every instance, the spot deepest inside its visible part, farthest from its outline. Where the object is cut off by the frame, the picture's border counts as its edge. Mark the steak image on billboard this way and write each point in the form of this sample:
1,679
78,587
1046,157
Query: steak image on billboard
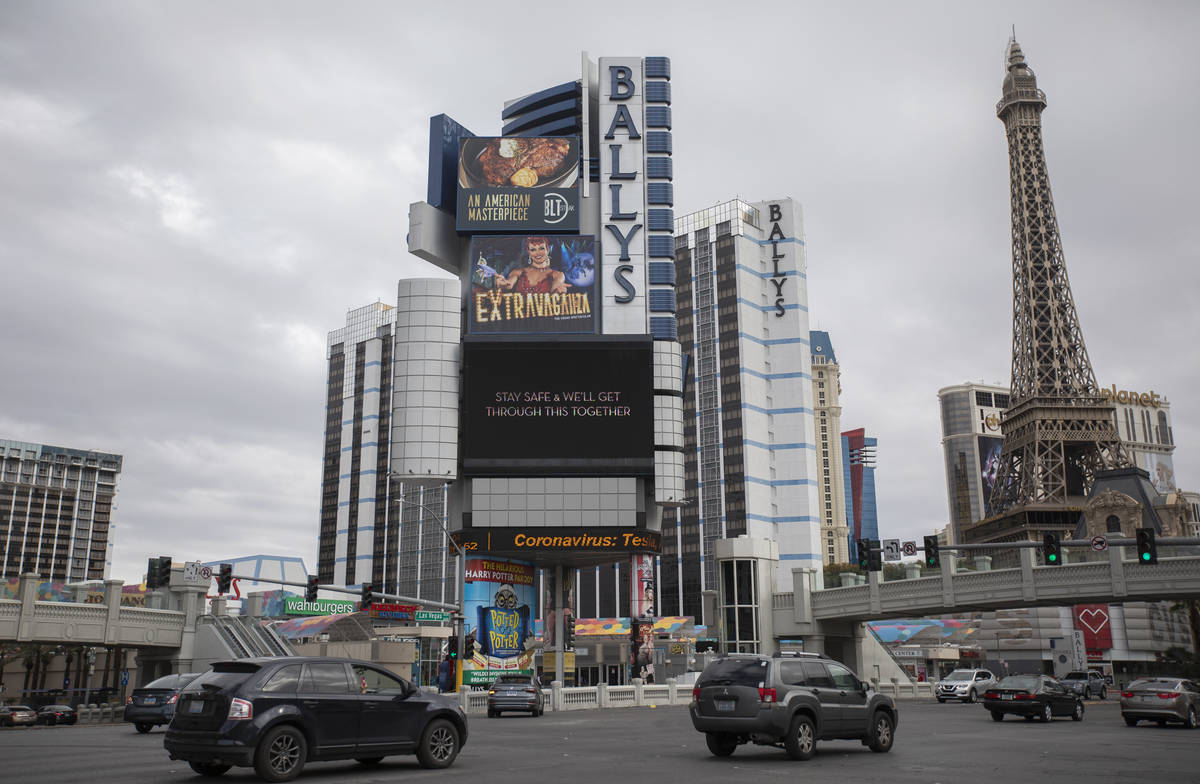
518,184
536,283
572,407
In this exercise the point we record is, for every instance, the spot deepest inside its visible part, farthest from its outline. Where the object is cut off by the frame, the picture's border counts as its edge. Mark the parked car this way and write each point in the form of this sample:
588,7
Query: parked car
57,714
1086,683
1032,696
12,715
154,703
516,692
279,713
965,685
1161,700
788,701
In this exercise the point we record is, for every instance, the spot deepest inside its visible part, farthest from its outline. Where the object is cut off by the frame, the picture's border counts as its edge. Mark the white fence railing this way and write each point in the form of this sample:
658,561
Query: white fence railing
638,694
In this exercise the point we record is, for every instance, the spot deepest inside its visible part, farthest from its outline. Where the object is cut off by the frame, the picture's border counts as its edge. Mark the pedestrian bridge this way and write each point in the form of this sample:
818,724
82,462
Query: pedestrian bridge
1111,580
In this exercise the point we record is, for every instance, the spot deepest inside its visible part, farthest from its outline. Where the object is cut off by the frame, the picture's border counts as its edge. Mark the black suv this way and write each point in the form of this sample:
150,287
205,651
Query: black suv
790,701
278,713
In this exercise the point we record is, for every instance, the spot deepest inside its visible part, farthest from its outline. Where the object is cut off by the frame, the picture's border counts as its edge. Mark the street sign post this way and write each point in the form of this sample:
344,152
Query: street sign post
432,615
910,548
891,549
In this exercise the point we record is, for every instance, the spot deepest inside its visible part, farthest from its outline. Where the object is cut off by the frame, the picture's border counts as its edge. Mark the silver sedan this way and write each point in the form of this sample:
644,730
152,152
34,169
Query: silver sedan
1162,700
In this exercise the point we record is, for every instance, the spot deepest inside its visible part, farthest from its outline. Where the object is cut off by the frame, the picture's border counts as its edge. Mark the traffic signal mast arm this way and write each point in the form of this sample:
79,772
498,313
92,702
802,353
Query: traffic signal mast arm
379,595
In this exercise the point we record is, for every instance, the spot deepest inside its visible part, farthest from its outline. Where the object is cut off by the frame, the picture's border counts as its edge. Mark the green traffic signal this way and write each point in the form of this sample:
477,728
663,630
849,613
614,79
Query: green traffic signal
1051,557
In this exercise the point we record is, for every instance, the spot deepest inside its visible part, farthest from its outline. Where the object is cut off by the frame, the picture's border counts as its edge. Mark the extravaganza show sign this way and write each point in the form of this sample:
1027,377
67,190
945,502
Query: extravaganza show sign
532,284
518,184
563,408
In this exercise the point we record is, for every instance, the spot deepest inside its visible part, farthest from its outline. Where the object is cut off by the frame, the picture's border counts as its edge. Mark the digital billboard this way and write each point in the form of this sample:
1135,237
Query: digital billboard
572,407
1162,471
518,184
499,618
989,468
532,284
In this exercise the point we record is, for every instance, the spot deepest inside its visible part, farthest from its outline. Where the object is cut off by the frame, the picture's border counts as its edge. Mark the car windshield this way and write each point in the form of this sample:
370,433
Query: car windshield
1019,683
1154,683
734,672
57,707
171,681
959,675
519,679
1075,676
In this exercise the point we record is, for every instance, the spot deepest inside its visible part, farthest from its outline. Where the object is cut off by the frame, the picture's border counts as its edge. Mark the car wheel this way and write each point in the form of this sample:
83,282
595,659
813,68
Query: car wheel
970,696
1077,714
1046,713
209,768
997,716
493,713
1130,721
143,726
1087,694
1103,693
801,740
369,762
281,754
1190,722
439,745
721,744
882,733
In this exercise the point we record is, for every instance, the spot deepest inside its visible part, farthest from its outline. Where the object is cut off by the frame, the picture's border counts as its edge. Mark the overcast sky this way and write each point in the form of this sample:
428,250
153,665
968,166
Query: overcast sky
193,194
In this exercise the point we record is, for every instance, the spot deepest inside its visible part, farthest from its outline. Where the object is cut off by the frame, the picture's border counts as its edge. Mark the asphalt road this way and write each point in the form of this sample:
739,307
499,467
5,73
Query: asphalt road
944,744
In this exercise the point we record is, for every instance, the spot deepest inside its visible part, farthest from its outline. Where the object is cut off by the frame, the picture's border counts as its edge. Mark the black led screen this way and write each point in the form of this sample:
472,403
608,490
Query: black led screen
561,408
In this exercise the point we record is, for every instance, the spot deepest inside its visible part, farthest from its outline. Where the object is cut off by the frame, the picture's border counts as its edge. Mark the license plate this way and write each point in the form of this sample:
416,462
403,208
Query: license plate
149,701
724,706
1006,696
196,706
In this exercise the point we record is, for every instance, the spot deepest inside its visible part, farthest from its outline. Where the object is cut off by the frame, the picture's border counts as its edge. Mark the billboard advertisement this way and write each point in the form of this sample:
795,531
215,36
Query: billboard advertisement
1162,471
296,605
1093,621
563,408
989,468
641,588
532,284
518,184
499,618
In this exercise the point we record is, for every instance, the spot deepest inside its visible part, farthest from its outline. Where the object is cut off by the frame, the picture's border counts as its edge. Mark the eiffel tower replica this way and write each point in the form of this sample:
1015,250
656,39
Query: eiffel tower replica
1059,432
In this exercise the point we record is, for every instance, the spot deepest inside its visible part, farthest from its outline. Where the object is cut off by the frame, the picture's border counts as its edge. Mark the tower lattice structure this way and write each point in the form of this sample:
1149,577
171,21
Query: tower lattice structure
1059,431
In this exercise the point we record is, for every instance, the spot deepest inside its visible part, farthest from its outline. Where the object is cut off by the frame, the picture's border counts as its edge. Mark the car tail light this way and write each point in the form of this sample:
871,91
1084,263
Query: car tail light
531,690
991,695
129,700
696,693
1126,694
766,695
240,709
1168,695
1024,696
174,699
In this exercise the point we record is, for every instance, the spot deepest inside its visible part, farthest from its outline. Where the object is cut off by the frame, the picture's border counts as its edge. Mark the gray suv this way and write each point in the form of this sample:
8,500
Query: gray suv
788,701
965,685
1088,684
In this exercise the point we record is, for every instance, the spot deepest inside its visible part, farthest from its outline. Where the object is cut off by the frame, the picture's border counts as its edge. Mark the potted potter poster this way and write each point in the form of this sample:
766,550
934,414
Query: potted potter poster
499,617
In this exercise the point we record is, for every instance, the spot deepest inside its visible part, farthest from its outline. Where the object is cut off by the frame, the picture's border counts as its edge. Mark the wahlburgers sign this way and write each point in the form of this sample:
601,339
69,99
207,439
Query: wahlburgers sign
295,605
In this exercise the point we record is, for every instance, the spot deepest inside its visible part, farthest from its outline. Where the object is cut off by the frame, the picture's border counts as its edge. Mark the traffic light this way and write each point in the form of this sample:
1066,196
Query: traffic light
1147,547
863,546
469,645
569,627
224,578
151,574
1051,550
933,558
310,588
163,572
452,647
874,556
368,596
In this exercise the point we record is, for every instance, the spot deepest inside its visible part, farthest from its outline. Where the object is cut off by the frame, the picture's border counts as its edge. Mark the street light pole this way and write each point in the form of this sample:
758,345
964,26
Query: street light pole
462,579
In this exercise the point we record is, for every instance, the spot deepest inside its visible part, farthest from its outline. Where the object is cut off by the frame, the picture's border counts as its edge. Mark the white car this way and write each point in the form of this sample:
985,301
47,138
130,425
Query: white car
965,685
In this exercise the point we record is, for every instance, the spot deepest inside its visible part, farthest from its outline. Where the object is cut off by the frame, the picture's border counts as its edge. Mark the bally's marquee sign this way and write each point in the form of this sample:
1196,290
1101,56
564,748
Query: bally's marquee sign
622,195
